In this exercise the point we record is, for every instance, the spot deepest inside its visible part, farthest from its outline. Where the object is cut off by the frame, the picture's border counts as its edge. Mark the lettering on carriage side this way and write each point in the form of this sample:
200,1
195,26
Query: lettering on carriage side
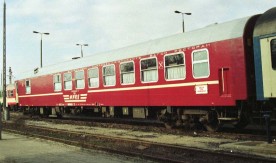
75,98
196,47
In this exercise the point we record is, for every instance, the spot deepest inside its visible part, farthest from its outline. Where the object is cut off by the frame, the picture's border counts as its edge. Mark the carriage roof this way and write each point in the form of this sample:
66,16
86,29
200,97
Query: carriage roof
211,33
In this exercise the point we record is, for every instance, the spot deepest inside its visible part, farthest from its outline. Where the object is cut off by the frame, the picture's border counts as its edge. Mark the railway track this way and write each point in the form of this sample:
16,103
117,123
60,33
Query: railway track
253,132
154,151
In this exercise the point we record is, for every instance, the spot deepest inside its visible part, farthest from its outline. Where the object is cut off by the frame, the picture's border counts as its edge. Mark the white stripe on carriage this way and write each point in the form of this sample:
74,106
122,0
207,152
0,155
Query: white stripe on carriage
134,88
75,101
156,86
46,94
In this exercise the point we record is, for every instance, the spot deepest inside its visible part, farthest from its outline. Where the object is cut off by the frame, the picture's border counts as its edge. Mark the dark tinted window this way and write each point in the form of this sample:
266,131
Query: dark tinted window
174,67
148,64
175,59
273,53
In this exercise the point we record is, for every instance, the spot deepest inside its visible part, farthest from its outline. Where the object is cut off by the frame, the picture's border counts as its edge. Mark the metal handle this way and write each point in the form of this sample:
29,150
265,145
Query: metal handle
222,79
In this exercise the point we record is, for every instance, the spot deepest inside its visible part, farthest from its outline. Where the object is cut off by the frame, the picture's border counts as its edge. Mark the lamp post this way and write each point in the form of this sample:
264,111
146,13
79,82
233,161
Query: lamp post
81,48
41,33
4,73
183,13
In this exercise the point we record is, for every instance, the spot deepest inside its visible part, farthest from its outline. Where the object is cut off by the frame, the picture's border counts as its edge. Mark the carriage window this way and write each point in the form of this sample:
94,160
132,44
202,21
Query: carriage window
273,53
67,78
109,78
57,82
201,63
175,67
93,78
28,86
10,93
79,75
149,70
127,73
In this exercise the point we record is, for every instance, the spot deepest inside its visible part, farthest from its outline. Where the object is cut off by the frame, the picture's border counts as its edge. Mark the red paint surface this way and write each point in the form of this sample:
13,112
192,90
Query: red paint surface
228,54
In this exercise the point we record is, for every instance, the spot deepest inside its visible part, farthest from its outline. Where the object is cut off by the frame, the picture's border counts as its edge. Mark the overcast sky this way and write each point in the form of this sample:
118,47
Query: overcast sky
105,25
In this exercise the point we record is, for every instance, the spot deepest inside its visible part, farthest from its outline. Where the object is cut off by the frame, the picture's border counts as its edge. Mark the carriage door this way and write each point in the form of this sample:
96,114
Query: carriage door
268,58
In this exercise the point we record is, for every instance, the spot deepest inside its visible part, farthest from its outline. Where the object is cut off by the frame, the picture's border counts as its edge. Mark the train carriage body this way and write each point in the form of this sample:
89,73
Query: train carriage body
212,73
208,68
265,55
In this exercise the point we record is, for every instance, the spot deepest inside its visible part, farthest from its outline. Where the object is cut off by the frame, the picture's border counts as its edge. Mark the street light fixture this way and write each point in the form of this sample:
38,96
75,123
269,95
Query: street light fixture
81,45
41,33
183,13
75,58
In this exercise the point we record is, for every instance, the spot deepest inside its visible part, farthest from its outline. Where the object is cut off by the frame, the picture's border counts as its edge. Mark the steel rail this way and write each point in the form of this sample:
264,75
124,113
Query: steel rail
90,146
145,143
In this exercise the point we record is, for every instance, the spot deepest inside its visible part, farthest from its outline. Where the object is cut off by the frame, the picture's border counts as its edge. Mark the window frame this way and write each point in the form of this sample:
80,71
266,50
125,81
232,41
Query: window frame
127,73
195,62
273,55
66,81
184,66
29,81
97,77
149,69
79,79
103,75
55,82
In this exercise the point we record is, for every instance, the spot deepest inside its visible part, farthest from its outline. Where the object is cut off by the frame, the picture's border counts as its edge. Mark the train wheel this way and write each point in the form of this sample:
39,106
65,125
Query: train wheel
212,124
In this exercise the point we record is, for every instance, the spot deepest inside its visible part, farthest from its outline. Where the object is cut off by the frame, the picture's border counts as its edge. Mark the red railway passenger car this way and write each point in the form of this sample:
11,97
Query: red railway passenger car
206,75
